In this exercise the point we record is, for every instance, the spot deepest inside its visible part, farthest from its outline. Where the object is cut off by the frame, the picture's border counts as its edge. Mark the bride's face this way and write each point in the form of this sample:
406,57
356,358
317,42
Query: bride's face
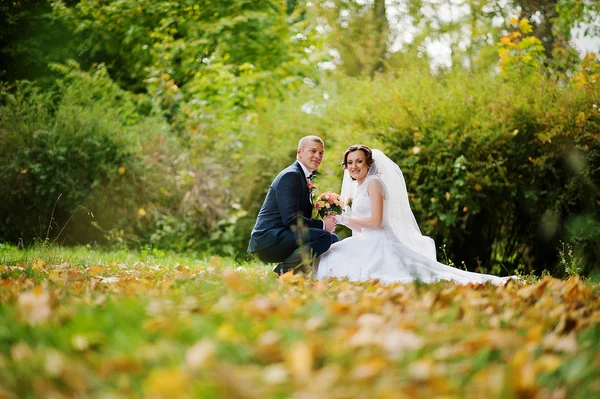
356,164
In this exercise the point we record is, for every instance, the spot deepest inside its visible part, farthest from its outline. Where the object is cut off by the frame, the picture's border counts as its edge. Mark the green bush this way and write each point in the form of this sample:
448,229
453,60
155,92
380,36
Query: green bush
66,144
96,160
503,169
498,172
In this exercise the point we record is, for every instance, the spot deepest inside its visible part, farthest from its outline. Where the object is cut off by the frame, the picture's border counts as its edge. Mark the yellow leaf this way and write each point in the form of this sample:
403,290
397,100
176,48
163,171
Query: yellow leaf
38,264
369,369
534,334
290,277
299,360
397,342
259,307
118,364
505,40
227,333
268,347
576,290
499,339
95,270
121,170
547,363
34,306
275,374
142,212
525,26
200,355
421,370
520,358
369,332
166,383
487,383
232,280
533,291
525,379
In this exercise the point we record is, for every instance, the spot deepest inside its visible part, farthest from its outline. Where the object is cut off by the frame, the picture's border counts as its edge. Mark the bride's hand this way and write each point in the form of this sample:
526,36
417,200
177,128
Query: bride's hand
341,219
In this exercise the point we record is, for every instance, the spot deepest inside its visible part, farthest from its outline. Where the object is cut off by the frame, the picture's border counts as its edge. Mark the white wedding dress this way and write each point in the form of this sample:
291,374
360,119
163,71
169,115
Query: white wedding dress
397,252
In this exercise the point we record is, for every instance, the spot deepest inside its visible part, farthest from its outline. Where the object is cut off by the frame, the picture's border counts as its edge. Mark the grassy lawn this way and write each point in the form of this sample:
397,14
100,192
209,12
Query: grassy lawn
77,322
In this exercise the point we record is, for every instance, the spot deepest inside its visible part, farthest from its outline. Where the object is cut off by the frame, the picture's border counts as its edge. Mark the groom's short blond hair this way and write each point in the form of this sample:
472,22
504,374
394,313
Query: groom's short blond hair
306,139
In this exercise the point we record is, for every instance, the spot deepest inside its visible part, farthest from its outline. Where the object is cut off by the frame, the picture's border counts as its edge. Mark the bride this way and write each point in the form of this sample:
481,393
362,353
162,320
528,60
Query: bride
386,242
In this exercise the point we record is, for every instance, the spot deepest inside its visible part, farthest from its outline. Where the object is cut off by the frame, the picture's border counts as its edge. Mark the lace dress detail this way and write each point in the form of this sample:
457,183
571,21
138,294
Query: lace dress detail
361,205
379,254
361,208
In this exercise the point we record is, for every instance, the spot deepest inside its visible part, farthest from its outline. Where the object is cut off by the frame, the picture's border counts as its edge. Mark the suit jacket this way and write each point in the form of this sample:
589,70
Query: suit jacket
287,204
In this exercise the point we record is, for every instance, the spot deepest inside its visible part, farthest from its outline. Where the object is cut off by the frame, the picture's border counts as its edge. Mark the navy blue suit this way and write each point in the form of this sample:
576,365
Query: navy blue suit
284,231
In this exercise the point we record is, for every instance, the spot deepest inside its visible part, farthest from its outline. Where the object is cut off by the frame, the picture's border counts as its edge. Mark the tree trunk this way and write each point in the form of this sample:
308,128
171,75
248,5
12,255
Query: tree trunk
381,32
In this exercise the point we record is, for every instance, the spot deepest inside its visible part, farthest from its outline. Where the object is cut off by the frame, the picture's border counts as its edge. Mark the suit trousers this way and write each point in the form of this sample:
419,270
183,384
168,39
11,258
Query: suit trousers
295,249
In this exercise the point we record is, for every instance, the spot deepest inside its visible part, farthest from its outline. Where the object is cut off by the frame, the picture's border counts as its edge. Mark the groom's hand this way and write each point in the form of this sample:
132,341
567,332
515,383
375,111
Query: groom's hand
330,223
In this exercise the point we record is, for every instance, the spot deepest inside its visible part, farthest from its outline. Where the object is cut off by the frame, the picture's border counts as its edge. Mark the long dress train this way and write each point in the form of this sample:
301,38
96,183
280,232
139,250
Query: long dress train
380,254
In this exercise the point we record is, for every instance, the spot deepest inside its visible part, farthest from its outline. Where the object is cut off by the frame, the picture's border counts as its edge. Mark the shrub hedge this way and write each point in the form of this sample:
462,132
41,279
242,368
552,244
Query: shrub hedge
499,173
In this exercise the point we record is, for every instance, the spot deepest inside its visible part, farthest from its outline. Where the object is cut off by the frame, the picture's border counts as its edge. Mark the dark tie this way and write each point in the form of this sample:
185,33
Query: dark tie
311,176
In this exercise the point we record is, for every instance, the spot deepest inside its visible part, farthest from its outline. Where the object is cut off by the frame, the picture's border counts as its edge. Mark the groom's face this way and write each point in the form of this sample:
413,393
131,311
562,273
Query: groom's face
311,155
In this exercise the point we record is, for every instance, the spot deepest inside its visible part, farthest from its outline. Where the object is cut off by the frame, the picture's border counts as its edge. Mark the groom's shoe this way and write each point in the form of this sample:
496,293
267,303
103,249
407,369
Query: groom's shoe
280,269
302,268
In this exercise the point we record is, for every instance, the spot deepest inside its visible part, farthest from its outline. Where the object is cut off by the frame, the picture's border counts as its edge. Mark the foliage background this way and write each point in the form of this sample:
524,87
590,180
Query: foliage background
167,120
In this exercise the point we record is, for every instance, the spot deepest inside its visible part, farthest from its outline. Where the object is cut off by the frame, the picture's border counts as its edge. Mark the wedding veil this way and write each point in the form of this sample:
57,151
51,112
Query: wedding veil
397,215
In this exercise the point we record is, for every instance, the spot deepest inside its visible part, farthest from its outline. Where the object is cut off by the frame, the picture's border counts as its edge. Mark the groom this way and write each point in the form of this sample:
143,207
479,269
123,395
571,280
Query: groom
284,231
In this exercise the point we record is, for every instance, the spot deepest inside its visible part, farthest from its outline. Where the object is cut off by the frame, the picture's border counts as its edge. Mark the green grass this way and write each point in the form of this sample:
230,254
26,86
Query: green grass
82,322
85,256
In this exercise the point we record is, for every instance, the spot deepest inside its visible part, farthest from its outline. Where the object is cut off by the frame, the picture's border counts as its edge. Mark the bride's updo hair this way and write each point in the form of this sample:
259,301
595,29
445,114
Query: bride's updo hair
366,150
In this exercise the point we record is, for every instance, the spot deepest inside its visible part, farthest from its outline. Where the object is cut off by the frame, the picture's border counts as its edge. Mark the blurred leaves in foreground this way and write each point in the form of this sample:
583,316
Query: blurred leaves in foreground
167,119
77,327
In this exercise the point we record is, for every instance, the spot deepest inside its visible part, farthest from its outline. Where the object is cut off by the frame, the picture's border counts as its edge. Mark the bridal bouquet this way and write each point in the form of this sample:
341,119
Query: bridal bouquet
329,202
